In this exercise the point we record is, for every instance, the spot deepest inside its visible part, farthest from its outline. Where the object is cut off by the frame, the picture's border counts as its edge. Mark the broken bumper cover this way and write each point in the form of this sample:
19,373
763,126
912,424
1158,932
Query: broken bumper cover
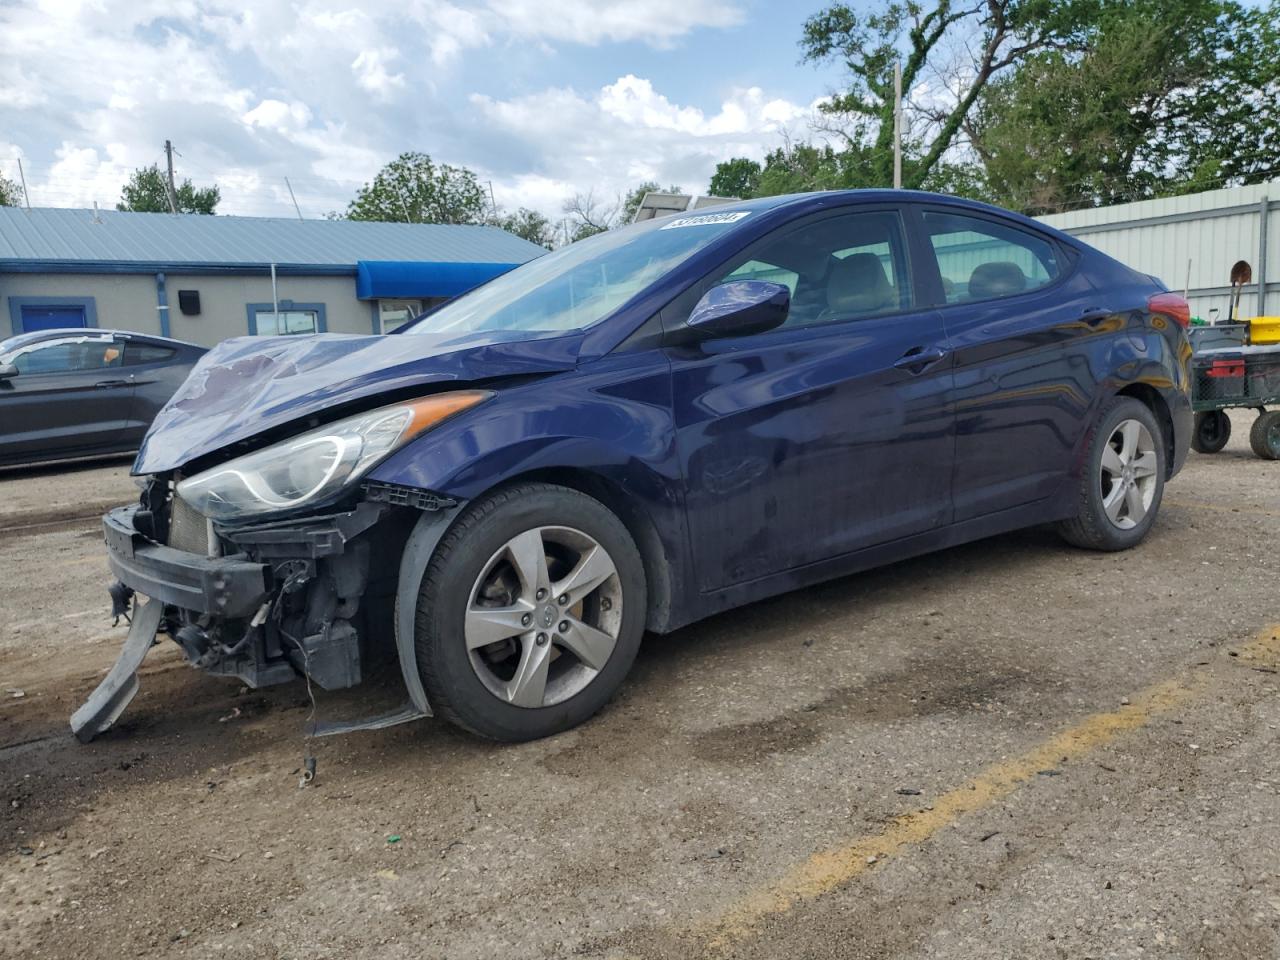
287,602
223,587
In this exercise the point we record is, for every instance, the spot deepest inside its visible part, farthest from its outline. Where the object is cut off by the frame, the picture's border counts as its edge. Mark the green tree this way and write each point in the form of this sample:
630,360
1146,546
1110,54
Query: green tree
738,177
414,189
10,193
147,192
995,35
1162,96
528,224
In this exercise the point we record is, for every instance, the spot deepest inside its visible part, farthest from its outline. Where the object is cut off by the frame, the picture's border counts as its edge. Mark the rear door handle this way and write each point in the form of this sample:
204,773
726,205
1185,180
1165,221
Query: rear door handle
919,359
1095,315
112,383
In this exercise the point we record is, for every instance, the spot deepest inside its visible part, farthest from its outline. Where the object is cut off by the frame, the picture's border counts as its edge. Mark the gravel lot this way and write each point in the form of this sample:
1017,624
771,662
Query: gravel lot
1010,749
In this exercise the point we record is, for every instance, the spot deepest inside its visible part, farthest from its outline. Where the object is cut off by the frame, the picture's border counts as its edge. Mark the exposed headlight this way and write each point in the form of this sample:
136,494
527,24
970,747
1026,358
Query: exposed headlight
315,465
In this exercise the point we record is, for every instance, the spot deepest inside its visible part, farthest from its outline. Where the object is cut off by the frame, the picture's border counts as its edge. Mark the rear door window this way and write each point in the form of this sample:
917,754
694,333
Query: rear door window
136,354
980,259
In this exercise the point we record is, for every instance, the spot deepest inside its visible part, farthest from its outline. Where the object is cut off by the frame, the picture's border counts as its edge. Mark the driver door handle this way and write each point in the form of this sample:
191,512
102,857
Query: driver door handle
112,383
919,359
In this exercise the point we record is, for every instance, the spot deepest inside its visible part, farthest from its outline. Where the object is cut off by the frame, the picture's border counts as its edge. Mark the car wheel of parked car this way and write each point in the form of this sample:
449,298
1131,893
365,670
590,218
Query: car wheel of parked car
1123,480
1264,436
530,612
1211,431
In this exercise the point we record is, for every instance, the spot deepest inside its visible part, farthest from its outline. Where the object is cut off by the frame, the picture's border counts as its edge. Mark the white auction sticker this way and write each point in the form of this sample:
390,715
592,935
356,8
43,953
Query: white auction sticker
706,219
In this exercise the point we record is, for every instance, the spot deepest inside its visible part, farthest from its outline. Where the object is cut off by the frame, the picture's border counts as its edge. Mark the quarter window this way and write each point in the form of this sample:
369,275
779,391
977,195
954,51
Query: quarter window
136,354
980,259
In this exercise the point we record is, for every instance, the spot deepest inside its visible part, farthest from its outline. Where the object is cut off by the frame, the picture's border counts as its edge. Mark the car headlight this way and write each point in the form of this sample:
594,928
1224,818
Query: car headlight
315,465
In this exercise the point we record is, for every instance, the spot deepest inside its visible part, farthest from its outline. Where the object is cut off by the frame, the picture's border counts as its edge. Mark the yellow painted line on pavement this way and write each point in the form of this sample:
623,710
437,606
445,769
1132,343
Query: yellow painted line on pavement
830,869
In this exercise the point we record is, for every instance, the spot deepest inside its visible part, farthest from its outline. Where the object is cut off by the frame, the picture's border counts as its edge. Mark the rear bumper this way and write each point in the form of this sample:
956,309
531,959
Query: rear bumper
230,587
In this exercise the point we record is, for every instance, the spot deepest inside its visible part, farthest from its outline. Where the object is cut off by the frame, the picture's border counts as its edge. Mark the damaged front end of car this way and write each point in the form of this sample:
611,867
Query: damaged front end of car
278,563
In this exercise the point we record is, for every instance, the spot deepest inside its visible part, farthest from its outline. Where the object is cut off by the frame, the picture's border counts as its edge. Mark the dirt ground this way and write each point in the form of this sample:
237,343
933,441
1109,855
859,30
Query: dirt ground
1010,749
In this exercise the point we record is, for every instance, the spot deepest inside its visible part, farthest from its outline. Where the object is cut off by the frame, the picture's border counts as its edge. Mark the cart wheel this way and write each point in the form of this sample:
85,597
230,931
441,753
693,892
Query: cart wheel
1264,437
1211,431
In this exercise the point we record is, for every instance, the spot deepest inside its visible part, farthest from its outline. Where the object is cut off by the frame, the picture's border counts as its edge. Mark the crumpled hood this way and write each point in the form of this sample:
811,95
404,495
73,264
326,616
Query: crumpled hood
247,385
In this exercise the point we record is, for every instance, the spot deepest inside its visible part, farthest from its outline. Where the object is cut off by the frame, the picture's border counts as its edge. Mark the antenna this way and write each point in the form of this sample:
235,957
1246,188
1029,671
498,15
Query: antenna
292,197
26,194
173,191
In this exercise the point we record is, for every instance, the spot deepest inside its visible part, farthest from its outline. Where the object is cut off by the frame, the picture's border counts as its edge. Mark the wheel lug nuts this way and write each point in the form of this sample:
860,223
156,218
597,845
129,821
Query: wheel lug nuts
564,600
526,620
564,626
541,640
541,594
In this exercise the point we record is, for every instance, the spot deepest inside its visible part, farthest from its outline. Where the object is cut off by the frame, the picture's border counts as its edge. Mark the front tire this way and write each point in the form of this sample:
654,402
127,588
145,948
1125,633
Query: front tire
1119,492
530,613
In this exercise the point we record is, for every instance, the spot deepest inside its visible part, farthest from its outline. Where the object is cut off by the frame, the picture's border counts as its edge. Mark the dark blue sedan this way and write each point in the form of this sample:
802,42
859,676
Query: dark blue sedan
638,431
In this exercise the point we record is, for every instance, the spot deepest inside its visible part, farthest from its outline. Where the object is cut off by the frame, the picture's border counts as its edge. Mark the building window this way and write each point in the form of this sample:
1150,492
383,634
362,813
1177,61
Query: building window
271,324
285,319
393,314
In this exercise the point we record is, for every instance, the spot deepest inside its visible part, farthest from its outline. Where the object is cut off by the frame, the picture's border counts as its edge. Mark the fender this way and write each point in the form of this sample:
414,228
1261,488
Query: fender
418,551
608,421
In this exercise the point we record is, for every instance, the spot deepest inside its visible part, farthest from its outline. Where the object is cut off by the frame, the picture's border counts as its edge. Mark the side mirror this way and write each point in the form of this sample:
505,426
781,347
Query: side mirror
8,371
739,308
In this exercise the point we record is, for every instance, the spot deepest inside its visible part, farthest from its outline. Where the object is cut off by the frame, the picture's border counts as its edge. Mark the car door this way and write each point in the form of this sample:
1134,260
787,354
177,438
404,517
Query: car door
70,395
1018,318
156,371
829,433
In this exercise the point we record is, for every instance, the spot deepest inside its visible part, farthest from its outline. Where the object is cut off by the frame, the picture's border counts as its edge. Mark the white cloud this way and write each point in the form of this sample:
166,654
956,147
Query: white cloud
370,69
628,132
326,91
656,22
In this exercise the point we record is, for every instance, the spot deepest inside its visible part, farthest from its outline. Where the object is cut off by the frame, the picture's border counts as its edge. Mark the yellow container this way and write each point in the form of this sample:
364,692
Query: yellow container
1264,330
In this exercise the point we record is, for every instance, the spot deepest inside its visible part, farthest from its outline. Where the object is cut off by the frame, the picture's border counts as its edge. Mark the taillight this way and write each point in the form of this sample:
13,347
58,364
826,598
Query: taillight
1172,306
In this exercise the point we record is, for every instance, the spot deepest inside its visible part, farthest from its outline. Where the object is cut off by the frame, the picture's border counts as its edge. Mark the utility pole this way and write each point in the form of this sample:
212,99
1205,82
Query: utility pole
897,125
292,197
173,191
492,202
26,194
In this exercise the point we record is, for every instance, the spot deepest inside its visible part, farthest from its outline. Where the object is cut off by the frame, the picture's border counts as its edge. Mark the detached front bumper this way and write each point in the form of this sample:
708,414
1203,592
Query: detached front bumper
285,599
222,587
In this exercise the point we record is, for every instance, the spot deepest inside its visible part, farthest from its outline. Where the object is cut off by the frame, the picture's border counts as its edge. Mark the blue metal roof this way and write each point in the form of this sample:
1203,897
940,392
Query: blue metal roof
118,241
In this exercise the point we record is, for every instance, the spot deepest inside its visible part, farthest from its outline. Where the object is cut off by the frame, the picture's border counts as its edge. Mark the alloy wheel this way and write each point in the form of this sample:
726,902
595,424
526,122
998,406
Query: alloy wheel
1127,474
543,616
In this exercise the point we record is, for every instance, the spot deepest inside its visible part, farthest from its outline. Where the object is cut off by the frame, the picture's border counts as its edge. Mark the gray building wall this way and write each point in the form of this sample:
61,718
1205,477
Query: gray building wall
128,301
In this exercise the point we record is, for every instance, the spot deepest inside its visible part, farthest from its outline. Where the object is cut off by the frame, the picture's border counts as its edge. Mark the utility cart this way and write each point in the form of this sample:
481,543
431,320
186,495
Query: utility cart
1225,375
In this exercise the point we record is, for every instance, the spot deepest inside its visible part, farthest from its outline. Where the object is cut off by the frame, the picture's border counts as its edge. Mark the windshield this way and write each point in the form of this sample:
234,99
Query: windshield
582,283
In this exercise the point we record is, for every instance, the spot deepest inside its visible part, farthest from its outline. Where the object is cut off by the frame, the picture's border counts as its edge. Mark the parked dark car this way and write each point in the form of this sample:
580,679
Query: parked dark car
84,392
637,431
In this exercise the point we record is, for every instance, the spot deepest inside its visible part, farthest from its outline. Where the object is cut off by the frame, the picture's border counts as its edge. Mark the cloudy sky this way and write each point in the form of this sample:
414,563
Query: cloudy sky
543,97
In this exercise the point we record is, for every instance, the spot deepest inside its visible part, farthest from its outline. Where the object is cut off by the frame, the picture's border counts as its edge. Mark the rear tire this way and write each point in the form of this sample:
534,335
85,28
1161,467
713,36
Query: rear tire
530,613
1264,436
1119,492
1211,431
